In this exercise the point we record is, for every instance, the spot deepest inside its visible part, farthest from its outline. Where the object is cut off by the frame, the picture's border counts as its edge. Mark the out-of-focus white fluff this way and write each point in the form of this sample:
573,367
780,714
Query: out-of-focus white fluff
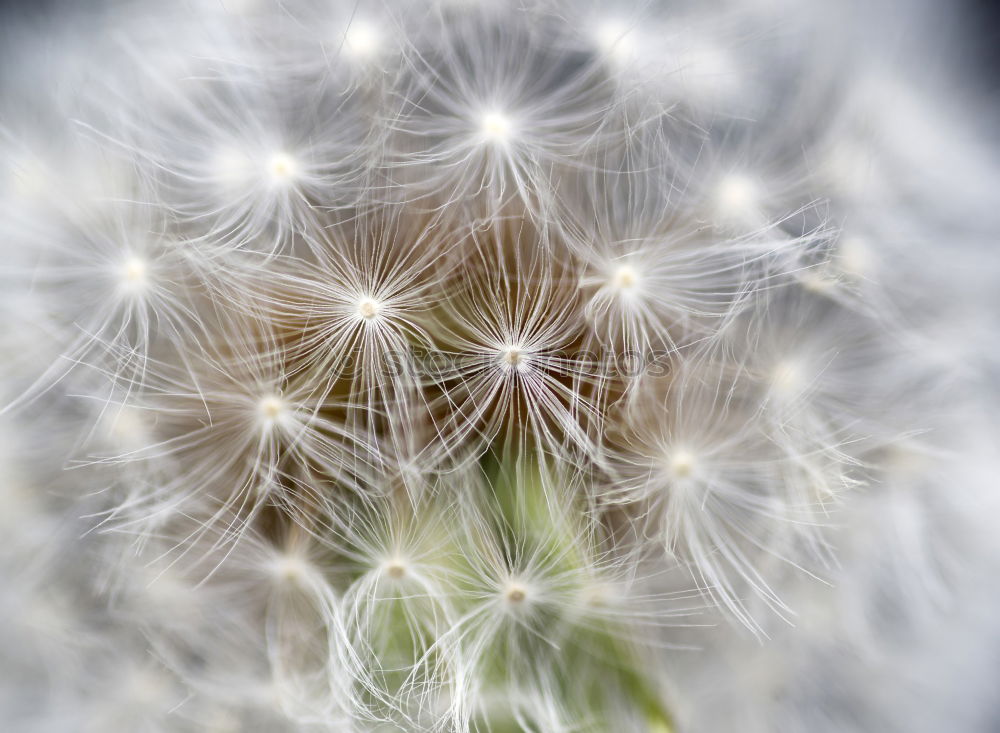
478,365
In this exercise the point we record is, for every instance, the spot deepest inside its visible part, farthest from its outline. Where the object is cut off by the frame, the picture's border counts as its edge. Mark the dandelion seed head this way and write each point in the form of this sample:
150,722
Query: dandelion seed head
681,464
134,274
282,168
508,198
369,309
290,567
395,568
615,39
514,357
788,378
515,594
362,40
495,127
737,197
271,409
625,280
127,426
598,594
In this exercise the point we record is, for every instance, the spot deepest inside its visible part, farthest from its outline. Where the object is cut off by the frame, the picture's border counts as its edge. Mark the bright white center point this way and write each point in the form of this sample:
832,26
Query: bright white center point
395,569
282,168
681,464
127,426
362,40
290,568
368,308
134,272
615,39
855,257
625,278
788,378
495,127
271,409
514,357
596,594
515,594
737,197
